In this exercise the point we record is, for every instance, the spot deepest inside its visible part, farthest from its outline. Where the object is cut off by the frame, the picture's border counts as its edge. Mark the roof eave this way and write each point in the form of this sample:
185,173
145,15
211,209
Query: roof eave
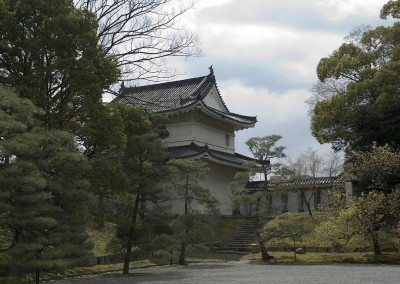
211,158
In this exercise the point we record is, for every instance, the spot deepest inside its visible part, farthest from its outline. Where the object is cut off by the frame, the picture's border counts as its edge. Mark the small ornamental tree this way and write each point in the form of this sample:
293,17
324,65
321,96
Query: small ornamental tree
185,184
336,230
264,149
377,173
288,225
368,214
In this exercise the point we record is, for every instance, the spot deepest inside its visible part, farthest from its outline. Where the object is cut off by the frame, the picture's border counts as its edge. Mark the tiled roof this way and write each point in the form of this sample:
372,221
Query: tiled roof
298,183
179,152
166,96
180,95
234,116
193,150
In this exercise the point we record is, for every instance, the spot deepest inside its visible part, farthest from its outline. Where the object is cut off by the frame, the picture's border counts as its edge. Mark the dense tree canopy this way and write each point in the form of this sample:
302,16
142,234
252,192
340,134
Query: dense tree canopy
43,191
49,53
362,105
378,169
58,142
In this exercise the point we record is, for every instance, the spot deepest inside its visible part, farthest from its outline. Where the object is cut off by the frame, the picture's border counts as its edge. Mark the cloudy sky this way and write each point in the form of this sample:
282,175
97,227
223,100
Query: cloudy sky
265,53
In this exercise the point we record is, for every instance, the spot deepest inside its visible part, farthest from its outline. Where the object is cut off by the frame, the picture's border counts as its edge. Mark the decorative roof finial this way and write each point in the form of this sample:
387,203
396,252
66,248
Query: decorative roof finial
211,70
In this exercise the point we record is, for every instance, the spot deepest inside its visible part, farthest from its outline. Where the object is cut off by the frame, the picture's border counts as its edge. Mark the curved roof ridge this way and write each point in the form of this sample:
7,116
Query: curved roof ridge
182,95
297,183
164,84
193,149
219,95
233,114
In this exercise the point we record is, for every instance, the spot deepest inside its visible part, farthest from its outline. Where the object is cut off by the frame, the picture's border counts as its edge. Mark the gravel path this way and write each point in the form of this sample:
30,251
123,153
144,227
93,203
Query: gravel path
242,272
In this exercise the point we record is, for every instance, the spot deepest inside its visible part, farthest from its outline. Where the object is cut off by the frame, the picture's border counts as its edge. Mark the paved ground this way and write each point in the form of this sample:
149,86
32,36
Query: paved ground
240,272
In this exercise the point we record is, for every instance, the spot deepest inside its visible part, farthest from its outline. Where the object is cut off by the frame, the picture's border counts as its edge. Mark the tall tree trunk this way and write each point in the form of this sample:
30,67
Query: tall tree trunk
376,243
264,252
306,201
37,276
182,260
131,235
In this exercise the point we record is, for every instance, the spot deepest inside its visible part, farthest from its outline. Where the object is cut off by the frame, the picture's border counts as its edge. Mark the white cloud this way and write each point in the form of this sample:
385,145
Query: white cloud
277,113
286,37
340,9
279,44
240,10
274,107
243,30
211,3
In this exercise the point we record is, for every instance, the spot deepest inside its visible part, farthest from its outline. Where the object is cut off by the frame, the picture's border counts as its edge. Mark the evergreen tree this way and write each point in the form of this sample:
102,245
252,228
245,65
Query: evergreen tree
378,169
50,55
264,149
191,225
356,102
143,164
43,191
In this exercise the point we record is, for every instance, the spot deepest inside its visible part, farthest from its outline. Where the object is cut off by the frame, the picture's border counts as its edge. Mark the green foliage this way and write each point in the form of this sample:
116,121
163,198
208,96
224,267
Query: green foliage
378,169
264,150
335,232
225,230
362,222
50,55
141,165
44,191
366,218
326,258
292,226
368,213
365,109
392,8
191,227
185,182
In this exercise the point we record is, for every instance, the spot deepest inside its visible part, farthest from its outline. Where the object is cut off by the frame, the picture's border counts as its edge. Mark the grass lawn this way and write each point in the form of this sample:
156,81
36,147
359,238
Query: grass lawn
326,258
115,270
226,229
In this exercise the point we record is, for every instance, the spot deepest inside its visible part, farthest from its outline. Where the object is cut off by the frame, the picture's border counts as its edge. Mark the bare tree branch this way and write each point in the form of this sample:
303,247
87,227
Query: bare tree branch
142,34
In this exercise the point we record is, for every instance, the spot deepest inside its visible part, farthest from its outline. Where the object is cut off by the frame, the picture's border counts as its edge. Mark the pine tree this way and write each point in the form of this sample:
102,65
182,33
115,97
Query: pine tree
185,184
43,194
50,55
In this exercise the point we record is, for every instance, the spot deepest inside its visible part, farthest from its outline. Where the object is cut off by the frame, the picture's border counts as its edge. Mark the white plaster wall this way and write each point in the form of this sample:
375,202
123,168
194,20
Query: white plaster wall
212,100
293,204
187,132
217,182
